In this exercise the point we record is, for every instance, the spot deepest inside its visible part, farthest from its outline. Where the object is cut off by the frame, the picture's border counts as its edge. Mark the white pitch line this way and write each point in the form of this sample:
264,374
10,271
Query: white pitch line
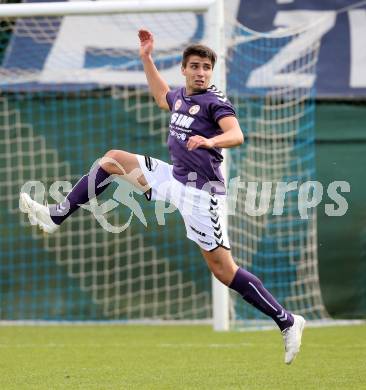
122,345
237,345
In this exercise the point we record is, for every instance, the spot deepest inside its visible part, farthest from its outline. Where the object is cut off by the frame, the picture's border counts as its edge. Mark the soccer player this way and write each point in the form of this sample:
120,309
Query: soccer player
203,121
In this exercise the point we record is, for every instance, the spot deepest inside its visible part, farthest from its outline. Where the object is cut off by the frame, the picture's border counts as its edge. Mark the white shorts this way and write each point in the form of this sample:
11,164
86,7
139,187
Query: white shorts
202,212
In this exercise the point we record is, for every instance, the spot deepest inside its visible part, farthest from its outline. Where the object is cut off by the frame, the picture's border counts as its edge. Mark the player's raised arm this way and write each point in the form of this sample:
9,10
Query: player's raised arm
157,85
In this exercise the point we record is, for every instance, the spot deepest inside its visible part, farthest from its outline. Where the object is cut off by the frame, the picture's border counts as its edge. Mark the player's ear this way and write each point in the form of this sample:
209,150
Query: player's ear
183,70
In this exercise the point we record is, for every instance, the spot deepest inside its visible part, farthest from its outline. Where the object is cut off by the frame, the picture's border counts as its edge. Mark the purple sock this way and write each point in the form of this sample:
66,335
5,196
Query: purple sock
253,291
80,194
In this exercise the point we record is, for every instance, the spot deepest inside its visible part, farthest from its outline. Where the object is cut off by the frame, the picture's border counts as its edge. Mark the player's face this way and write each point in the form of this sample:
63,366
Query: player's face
197,72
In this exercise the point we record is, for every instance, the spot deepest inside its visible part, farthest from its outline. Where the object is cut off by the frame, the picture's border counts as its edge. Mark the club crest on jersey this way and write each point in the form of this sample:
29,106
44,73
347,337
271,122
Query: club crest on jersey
194,109
177,105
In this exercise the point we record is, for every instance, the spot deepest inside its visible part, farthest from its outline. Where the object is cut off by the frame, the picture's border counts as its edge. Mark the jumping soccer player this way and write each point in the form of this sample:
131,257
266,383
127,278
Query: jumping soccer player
203,121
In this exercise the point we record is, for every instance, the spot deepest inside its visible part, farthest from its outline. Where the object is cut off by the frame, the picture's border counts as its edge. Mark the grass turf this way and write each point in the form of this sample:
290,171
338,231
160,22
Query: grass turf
177,357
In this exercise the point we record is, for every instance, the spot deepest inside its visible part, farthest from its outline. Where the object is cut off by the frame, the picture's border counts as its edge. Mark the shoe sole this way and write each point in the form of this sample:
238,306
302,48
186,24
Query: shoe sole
302,326
27,209
23,205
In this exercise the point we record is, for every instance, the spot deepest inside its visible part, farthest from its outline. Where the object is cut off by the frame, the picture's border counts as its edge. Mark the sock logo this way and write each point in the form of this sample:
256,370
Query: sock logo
283,316
60,208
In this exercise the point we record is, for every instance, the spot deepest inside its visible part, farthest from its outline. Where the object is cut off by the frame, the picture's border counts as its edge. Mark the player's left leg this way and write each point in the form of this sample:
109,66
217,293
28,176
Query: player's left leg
222,265
114,162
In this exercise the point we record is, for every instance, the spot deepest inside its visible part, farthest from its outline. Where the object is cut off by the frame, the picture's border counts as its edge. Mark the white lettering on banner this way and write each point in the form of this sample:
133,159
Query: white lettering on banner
77,35
271,73
357,21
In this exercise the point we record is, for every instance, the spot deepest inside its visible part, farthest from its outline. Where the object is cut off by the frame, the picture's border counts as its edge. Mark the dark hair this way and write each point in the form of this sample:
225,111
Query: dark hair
200,51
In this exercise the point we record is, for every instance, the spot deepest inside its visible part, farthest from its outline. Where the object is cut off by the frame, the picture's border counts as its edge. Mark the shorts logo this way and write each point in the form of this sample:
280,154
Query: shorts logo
151,163
204,242
177,105
197,231
194,109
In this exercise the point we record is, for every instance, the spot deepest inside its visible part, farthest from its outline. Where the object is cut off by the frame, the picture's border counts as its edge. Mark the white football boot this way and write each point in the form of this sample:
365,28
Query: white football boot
292,338
38,214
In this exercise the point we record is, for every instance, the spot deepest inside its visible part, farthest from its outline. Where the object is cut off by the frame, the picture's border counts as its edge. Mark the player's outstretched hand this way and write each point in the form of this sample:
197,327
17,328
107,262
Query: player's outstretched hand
197,141
146,43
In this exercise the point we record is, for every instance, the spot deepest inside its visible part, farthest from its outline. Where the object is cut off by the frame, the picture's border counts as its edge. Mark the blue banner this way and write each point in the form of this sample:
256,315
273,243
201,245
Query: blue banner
341,69
82,53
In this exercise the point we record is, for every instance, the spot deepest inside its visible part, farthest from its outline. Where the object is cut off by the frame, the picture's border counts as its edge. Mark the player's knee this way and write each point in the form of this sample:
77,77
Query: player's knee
113,154
221,272
218,273
222,266
111,161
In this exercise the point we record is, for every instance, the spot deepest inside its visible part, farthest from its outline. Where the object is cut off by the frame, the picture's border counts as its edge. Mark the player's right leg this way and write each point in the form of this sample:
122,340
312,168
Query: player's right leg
252,290
114,162
206,225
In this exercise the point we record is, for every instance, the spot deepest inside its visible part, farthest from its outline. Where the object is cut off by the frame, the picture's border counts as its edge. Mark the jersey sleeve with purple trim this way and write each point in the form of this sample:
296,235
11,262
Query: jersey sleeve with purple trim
220,106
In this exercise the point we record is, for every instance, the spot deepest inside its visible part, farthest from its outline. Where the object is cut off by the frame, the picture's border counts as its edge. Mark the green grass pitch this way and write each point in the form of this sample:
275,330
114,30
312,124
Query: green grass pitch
177,357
